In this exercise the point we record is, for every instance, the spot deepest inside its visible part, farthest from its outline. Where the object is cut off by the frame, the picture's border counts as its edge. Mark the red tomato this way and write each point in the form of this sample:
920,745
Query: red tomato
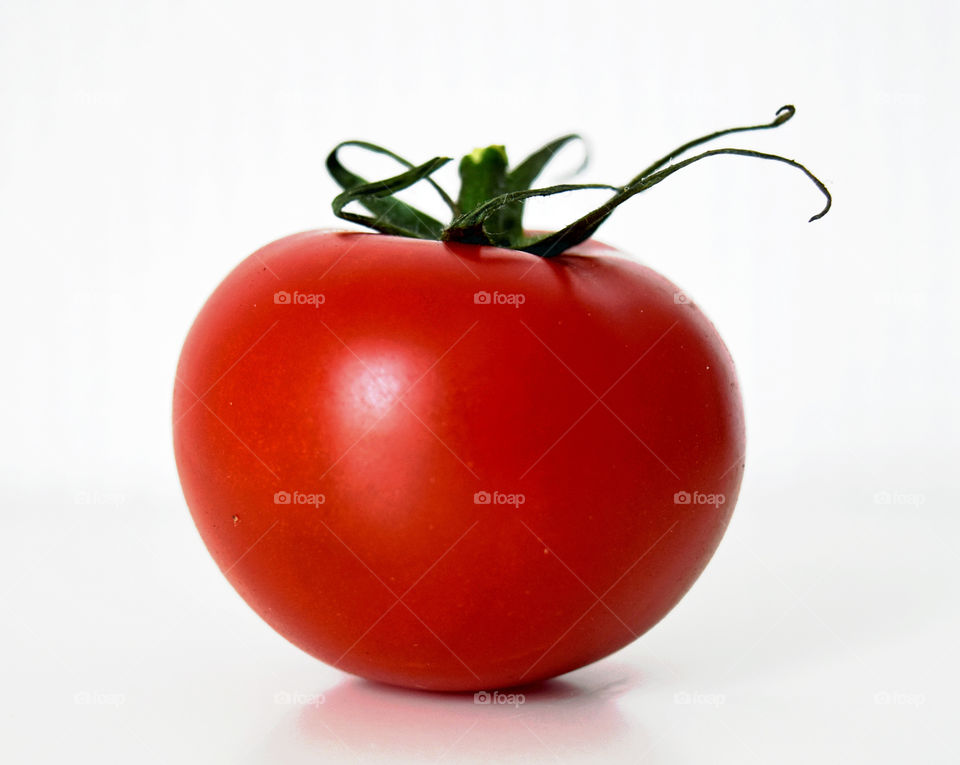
456,467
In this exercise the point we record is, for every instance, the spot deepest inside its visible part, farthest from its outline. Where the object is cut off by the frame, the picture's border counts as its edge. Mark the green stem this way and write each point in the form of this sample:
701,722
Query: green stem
489,207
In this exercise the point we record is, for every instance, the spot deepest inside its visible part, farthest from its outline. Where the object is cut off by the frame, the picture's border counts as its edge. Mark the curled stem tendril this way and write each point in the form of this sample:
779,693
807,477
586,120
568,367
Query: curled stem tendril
490,205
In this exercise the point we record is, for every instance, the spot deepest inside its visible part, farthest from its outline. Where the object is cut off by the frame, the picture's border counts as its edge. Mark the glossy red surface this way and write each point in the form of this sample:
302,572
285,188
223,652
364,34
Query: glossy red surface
594,394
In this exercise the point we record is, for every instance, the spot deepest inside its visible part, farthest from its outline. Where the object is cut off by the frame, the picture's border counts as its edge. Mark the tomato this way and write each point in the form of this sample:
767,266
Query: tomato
461,456
451,466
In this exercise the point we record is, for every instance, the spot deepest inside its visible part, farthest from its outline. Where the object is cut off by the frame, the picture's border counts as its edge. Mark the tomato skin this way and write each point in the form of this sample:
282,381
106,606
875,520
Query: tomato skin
398,397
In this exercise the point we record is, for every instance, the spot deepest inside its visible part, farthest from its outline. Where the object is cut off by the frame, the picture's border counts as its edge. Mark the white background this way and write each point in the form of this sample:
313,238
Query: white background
146,148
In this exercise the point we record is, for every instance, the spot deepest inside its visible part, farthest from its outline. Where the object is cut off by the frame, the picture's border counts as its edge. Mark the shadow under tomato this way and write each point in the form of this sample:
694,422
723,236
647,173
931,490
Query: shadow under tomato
566,718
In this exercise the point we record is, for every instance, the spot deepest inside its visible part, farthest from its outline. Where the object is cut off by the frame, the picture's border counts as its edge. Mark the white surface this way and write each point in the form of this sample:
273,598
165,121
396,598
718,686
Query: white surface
146,149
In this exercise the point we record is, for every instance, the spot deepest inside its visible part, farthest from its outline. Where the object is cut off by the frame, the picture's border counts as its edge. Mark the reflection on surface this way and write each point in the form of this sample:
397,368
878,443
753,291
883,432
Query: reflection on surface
367,388
574,718
375,387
